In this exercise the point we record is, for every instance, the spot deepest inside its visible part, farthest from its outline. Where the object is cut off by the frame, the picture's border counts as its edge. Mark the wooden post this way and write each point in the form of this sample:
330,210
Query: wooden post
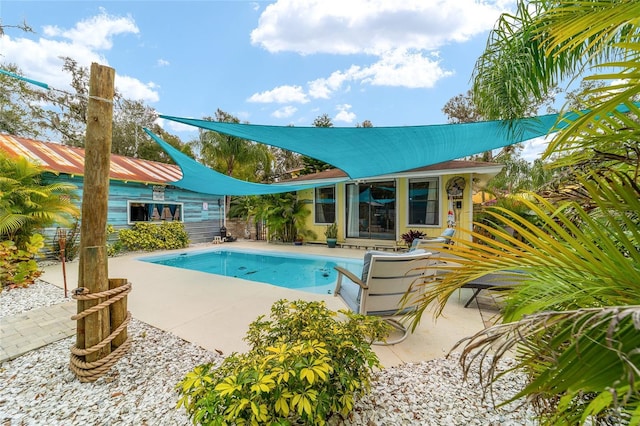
118,313
98,324
62,243
93,268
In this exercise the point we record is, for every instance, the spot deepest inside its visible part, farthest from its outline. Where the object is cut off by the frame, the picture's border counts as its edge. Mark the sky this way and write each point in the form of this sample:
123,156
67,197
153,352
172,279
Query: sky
283,62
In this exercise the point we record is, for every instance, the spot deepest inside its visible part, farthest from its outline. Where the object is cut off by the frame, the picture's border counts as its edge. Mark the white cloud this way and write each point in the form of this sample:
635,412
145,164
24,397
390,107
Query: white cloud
284,112
533,148
135,89
96,32
39,59
163,63
371,26
322,88
280,95
405,69
397,68
401,37
243,116
344,115
174,126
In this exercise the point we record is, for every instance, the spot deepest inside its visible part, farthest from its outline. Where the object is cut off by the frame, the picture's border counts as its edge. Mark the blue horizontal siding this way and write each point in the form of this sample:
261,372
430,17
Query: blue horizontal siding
201,224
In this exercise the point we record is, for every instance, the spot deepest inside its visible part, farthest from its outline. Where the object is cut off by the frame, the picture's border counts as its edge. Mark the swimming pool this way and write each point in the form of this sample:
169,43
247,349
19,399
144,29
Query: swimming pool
313,274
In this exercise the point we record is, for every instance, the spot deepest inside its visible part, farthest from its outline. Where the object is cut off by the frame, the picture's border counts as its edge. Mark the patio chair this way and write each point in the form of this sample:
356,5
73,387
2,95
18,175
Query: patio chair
444,238
386,278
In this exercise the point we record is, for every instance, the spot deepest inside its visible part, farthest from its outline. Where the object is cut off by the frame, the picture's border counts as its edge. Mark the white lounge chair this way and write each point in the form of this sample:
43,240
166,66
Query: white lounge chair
386,278
427,243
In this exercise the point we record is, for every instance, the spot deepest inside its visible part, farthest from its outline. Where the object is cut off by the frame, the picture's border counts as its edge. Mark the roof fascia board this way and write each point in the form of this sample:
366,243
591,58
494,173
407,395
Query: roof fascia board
430,173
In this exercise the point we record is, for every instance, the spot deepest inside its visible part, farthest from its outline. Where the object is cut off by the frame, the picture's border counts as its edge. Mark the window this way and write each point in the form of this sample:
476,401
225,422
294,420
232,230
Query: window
153,212
424,202
371,210
325,204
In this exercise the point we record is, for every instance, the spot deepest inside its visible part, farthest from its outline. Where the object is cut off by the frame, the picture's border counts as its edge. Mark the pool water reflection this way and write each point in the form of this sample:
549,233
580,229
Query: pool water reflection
313,274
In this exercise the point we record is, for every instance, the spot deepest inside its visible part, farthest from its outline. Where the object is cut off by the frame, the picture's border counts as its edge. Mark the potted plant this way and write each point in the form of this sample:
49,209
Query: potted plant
411,235
332,235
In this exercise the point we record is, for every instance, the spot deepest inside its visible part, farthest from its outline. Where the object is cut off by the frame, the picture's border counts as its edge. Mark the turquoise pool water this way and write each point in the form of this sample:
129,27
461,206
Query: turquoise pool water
313,274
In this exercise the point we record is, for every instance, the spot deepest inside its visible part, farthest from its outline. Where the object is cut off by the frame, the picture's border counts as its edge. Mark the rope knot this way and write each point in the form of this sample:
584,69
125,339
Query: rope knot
81,291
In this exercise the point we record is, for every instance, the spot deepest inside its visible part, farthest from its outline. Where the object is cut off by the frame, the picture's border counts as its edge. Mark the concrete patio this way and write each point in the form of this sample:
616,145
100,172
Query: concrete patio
214,311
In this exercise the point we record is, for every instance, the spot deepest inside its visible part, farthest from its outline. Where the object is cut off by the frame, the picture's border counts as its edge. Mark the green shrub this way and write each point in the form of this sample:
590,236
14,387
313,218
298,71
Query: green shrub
114,245
304,366
154,236
18,267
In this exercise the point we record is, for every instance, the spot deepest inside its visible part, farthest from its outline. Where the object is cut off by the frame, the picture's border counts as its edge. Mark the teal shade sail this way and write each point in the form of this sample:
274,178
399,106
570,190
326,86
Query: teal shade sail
199,178
363,152
28,80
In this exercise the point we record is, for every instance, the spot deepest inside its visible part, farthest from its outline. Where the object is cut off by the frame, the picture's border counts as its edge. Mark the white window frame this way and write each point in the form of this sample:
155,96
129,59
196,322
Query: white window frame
130,202
438,202
335,205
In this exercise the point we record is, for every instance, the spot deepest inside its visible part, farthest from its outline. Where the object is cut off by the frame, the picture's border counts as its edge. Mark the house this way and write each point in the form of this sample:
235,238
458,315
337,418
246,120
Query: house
139,190
375,212
369,212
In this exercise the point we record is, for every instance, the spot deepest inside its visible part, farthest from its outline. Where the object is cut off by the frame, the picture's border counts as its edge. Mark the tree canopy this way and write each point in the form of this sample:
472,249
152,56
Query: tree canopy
311,165
60,116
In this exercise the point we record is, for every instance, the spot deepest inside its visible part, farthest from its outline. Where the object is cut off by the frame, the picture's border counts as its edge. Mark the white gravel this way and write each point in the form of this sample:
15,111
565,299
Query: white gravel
39,389
19,300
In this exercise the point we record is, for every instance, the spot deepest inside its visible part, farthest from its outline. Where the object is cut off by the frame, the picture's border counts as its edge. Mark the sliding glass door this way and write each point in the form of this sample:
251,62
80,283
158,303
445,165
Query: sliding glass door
371,210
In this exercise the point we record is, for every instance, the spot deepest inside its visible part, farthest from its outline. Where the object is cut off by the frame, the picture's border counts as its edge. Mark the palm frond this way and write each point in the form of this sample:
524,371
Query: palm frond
10,222
545,43
574,323
587,349
603,129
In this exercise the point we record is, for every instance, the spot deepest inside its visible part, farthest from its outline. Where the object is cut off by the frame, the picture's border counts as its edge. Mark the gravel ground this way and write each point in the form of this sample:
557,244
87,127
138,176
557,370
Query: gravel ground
39,389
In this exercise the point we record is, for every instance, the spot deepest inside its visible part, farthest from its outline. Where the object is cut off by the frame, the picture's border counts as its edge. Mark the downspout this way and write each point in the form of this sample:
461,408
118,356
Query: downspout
469,200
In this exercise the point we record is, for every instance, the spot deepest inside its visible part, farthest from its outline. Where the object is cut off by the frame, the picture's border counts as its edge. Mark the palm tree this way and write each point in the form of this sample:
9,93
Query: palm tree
26,204
285,216
232,155
574,326
245,207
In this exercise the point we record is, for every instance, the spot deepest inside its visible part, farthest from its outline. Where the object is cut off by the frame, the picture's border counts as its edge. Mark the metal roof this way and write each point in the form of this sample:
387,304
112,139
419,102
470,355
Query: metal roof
59,158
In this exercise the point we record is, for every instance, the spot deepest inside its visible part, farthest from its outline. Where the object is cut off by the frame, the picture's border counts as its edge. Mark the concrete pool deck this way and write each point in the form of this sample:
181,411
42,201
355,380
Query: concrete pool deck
214,312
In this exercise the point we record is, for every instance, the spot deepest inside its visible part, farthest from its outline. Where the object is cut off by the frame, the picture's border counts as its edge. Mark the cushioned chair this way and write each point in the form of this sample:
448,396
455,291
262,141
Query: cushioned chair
386,278
444,238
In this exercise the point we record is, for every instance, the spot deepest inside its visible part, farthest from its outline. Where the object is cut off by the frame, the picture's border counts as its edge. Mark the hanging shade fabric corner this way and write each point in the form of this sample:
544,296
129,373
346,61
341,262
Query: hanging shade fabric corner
363,152
199,178
28,80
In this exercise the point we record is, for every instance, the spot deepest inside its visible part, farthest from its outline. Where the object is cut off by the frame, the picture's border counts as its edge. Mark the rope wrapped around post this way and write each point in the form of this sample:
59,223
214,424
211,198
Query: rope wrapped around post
91,371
